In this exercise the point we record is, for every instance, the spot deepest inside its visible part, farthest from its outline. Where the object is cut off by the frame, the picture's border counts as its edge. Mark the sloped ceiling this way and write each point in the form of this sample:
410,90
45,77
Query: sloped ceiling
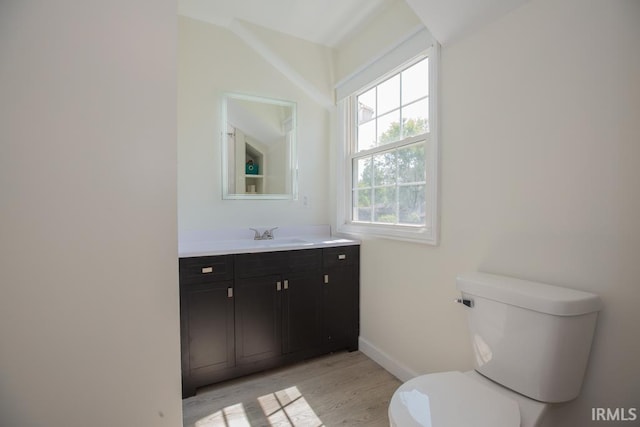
324,22
328,22
449,20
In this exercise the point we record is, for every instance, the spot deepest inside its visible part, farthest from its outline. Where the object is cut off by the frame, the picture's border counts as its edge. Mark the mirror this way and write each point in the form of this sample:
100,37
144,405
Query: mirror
258,148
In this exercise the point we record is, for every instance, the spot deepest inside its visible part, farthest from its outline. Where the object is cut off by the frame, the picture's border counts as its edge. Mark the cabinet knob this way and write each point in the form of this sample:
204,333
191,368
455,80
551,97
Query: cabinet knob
229,292
342,256
278,285
286,284
326,278
206,270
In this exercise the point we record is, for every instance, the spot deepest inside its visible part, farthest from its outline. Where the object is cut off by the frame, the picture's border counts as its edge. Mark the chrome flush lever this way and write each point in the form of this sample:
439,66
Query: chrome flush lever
465,301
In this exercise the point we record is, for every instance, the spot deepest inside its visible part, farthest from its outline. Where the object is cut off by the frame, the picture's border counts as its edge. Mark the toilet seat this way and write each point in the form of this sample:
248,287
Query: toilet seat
451,399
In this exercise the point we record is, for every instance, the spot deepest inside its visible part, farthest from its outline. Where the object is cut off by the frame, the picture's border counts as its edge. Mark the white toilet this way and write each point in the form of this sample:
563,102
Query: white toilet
531,344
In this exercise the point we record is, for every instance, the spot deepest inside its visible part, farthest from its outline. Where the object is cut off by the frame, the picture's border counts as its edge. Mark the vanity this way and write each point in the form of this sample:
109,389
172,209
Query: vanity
250,305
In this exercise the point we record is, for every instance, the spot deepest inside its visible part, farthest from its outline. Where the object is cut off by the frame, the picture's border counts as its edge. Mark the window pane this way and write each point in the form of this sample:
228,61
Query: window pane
367,106
415,118
389,94
411,200
366,135
385,168
411,164
389,128
362,172
415,81
385,205
362,205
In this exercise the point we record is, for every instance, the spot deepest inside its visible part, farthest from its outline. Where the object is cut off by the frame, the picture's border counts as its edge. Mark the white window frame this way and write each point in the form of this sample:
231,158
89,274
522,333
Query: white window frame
427,234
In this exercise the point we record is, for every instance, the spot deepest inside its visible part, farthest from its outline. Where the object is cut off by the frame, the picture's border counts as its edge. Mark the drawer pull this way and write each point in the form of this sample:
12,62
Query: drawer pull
286,284
278,286
342,256
229,292
206,270
326,278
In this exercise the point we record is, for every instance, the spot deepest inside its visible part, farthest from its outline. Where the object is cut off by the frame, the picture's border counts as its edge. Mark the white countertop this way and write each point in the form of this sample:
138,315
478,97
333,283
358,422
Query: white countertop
240,240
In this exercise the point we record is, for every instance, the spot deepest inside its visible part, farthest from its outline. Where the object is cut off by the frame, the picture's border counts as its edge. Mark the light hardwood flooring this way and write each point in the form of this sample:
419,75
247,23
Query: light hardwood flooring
341,389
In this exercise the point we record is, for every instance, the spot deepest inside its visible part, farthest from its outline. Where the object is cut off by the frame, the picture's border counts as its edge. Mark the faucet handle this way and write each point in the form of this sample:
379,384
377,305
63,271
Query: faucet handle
268,234
256,235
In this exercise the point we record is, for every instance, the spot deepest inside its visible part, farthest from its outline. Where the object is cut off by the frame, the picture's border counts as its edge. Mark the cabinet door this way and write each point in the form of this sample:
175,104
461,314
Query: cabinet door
341,298
302,301
207,331
258,319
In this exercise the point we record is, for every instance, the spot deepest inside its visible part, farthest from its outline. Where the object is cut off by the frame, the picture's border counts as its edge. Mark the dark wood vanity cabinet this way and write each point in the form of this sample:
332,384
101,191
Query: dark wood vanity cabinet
244,313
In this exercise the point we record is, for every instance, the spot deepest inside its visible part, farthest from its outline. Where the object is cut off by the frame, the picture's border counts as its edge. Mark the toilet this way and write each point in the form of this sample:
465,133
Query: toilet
531,344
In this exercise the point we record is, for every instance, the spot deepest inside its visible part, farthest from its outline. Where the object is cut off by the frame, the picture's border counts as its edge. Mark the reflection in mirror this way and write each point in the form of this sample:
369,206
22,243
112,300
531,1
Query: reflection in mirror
258,148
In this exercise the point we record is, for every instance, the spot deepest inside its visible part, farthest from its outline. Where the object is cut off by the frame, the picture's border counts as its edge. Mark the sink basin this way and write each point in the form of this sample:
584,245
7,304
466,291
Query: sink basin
278,242
252,244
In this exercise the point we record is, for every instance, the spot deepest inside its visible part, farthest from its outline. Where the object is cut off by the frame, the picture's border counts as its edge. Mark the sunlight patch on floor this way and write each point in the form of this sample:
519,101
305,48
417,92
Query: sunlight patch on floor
288,408
231,416
283,408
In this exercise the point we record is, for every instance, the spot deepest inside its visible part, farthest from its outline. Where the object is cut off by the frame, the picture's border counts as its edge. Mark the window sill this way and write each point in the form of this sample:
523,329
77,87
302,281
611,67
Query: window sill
421,235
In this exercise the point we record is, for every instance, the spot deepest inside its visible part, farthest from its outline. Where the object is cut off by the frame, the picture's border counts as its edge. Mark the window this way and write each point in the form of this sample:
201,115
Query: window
390,166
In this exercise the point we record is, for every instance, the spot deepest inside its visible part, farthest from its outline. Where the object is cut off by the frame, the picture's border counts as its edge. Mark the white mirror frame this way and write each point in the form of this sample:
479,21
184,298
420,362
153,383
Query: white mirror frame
291,174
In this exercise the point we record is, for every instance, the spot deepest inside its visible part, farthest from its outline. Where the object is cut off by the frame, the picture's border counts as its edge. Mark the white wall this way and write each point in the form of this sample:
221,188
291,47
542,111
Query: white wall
380,32
211,61
312,61
89,325
540,180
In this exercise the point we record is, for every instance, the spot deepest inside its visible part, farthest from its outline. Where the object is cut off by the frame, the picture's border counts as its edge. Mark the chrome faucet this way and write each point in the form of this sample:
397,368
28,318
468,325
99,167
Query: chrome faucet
267,235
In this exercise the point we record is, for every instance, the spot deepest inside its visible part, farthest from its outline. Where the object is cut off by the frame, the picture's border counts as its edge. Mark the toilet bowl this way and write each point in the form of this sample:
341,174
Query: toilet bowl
456,399
531,344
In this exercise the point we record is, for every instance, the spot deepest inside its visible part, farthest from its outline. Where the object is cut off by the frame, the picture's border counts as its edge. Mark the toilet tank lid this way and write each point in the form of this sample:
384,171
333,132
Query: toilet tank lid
535,296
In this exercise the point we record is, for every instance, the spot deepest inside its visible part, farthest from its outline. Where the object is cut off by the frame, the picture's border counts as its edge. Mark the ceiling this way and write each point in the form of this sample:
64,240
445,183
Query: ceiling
325,22
328,22
449,20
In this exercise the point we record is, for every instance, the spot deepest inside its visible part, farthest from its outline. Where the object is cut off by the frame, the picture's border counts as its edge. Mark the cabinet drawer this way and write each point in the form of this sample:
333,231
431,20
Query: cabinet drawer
260,264
305,260
206,269
342,255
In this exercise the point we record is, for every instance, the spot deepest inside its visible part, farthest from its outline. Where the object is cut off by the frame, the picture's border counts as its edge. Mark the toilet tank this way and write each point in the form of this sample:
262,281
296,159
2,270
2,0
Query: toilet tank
530,337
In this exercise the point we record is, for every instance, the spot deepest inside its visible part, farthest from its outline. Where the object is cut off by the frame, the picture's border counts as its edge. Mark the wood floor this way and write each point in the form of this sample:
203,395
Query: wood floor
342,389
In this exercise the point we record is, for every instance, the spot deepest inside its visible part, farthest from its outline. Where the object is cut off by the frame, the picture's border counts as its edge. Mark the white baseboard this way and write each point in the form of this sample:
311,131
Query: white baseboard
394,367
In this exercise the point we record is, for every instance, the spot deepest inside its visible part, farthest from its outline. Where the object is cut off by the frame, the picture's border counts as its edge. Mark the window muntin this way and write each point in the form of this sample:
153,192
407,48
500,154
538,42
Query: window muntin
390,149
